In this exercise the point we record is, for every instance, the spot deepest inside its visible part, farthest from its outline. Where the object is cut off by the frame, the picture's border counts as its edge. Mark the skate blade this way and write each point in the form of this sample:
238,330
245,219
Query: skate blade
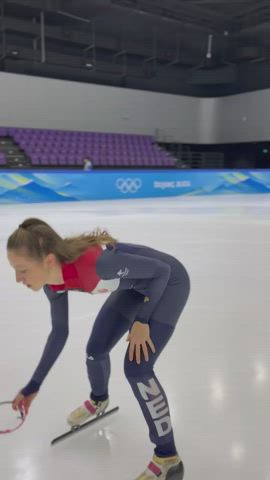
76,429
98,415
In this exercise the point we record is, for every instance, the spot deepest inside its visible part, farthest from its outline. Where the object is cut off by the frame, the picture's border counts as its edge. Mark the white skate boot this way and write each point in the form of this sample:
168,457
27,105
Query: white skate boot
89,409
169,468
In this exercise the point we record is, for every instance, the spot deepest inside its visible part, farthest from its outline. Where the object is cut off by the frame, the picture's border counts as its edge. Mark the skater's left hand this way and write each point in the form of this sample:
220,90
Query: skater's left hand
138,339
22,402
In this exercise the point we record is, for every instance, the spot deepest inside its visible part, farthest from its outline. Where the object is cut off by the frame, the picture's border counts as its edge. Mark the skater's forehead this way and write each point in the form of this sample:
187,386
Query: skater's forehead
18,258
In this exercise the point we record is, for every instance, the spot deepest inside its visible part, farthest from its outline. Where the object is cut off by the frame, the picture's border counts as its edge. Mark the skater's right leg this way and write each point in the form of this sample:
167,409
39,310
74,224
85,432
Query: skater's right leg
109,327
88,409
113,321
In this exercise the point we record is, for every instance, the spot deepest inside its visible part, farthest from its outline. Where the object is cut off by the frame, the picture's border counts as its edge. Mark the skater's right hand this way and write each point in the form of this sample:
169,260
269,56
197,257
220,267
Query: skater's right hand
23,403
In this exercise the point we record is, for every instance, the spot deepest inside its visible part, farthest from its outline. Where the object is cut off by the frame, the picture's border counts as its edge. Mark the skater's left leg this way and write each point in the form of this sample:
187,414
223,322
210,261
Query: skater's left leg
166,463
145,385
151,395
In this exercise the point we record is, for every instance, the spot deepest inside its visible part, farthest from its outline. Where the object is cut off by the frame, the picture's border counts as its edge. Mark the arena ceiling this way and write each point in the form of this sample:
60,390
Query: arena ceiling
190,47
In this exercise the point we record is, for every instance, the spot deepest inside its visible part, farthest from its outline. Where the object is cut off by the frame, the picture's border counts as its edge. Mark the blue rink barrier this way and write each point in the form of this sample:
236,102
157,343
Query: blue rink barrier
32,186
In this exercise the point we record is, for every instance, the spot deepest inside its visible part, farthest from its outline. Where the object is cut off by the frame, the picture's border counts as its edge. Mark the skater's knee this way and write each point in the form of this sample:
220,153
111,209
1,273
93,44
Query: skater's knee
97,356
96,349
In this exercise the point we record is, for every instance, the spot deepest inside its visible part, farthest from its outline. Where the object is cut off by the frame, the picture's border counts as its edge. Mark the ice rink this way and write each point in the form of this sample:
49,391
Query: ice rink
215,369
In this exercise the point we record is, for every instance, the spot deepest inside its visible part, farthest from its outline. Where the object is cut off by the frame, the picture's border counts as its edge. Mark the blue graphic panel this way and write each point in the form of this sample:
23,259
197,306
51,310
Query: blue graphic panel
31,186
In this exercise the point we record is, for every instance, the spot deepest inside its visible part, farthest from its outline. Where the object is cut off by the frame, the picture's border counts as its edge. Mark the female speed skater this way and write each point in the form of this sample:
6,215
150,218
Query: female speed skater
148,292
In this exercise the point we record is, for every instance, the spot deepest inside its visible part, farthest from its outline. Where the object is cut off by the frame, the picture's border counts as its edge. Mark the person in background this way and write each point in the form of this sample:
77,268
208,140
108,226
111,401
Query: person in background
149,290
87,164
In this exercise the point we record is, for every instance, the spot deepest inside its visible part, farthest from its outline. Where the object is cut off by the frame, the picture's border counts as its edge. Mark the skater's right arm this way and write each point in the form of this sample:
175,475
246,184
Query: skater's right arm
55,342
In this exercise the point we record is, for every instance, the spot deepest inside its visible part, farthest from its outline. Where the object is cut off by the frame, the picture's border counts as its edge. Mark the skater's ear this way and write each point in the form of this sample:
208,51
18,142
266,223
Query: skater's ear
50,261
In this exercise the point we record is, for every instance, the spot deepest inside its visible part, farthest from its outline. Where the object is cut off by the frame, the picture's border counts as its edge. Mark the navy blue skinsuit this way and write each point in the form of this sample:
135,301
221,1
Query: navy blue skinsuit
143,272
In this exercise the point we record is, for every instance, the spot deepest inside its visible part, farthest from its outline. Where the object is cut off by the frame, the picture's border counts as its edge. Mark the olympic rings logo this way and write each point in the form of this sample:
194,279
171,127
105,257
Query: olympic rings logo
128,185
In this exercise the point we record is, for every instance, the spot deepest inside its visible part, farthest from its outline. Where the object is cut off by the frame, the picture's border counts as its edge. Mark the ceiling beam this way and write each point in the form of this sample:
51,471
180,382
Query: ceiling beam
179,6
254,8
211,3
49,5
205,18
83,40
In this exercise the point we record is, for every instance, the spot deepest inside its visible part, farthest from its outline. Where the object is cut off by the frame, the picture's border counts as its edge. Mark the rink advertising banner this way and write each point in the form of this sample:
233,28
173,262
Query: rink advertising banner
32,186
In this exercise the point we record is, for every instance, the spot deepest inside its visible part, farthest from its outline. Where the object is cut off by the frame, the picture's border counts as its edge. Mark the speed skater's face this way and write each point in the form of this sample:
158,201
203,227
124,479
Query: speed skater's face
31,272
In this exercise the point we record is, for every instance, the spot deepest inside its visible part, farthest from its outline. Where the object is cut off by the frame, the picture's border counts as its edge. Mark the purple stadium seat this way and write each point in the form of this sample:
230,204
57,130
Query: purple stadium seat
59,147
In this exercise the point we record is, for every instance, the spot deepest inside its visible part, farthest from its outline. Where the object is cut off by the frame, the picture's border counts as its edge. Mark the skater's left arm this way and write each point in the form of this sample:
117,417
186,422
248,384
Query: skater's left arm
55,342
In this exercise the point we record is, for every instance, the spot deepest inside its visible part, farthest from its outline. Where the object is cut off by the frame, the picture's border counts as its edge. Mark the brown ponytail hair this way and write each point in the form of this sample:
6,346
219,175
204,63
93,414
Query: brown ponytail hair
38,239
